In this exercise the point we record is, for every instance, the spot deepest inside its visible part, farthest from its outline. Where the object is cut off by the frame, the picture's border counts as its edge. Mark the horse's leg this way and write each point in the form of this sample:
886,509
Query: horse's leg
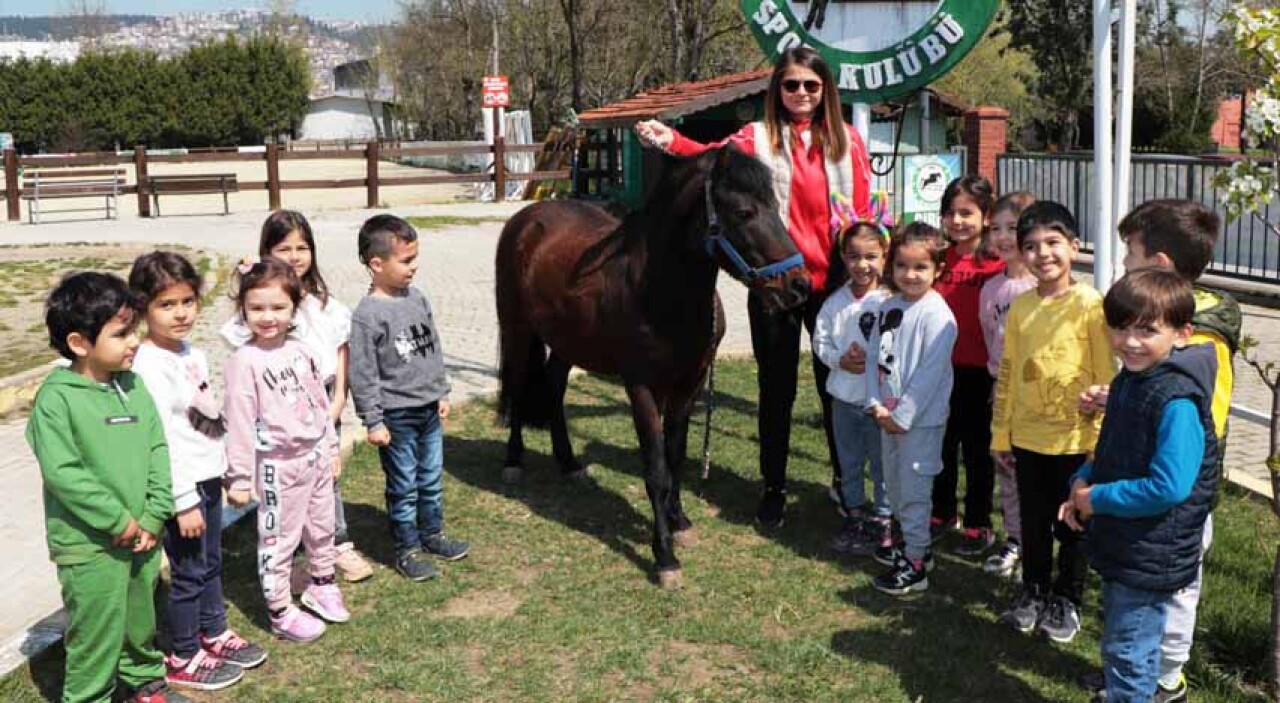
657,481
558,378
513,469
675,429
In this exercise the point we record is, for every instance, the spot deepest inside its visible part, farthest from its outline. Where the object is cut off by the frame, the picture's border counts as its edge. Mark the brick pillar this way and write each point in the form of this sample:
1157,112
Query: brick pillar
985,136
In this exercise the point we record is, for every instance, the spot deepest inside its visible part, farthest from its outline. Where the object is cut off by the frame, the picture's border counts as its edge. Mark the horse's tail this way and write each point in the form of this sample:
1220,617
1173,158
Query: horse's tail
524,391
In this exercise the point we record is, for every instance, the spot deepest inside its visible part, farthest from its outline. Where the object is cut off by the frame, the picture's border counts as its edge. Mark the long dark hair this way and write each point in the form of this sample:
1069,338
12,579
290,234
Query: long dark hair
979,190
276,229
828,128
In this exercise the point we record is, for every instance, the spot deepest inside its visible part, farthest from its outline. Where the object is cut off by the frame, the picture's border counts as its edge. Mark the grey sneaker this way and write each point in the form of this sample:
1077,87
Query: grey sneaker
1061,622
1026,612
415,565
1005,561
439,545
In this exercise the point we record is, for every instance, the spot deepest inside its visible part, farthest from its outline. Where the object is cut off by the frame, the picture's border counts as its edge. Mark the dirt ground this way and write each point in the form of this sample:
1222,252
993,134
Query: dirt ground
309,200
26,275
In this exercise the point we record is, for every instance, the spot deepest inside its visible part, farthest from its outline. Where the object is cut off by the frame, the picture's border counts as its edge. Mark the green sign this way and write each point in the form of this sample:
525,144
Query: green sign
922,54
926,178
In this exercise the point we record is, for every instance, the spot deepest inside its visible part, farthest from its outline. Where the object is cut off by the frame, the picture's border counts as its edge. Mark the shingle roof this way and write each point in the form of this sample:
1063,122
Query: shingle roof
671,101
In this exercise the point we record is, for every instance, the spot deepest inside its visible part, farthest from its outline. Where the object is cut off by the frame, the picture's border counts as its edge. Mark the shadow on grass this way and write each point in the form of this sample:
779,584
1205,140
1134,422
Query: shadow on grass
942,650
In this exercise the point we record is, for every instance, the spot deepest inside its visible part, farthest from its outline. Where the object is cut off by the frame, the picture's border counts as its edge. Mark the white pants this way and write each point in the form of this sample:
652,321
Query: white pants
1180,617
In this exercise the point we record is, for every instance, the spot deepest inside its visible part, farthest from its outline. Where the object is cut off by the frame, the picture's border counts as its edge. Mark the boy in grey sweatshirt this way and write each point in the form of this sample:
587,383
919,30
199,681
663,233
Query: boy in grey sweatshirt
401,388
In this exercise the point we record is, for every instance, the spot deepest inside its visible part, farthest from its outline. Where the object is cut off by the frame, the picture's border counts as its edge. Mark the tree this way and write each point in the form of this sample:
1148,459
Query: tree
1057,34
1251,184
995,73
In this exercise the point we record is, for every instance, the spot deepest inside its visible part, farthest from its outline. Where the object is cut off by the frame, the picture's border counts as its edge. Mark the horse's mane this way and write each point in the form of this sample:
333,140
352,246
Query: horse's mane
742,172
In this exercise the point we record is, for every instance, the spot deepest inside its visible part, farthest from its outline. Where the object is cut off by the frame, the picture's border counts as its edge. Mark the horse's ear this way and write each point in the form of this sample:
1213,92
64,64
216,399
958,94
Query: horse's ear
725,156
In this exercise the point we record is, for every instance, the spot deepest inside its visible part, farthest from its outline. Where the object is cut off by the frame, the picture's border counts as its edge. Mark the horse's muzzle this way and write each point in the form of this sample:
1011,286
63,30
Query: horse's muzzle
784,291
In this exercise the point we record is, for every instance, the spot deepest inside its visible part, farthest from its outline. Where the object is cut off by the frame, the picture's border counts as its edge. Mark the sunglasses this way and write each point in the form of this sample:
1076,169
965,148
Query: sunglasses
811,87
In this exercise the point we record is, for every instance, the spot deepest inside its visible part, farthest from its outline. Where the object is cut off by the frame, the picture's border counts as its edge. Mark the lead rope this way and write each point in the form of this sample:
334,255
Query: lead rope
711,404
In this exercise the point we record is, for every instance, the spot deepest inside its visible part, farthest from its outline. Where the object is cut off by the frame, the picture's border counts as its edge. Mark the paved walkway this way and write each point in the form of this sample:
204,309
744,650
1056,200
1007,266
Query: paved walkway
457,274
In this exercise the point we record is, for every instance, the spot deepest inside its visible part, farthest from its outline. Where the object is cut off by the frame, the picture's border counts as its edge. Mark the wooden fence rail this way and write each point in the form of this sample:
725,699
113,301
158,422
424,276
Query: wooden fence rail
371,154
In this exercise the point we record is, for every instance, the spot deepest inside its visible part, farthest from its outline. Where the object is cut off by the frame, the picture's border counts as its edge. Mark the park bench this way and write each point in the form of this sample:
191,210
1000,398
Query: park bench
48,184
193,184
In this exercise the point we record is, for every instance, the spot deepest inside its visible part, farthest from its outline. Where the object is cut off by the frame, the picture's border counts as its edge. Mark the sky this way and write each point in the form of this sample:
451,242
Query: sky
364,10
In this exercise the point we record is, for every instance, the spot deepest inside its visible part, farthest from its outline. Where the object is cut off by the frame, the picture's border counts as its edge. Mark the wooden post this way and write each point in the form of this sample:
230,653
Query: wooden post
140,175
499,158
11,185
371,174
273,176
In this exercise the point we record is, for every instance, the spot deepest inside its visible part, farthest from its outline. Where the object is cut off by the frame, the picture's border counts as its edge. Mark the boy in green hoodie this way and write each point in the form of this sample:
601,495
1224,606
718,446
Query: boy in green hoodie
105,465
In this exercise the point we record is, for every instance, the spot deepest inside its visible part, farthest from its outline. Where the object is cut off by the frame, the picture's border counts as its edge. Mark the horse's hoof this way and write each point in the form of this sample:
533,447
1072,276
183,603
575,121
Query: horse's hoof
512,474
671,579
685,538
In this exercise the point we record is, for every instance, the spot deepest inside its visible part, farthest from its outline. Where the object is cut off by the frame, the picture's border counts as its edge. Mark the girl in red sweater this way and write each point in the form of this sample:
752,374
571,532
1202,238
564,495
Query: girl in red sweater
815,156
966,215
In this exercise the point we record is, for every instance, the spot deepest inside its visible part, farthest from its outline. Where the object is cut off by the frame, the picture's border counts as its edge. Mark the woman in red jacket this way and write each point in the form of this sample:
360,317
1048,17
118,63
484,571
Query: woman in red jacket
815,156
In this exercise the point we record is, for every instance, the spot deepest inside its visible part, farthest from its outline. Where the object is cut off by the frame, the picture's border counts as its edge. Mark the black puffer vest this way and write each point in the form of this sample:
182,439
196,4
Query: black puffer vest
1159,552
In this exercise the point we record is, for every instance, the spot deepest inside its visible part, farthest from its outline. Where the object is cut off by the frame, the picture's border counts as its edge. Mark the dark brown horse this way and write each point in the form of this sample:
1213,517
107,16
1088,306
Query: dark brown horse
636,299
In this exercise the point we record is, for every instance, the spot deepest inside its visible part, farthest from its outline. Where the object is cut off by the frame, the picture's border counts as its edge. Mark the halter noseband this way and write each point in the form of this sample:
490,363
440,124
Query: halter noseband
742,271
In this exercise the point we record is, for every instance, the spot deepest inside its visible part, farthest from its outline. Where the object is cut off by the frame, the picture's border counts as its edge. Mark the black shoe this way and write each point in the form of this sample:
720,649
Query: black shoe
157,691
416,565
902,579
939,528
1061,622
1026,613
439,545
889,556
975,542
1094,681
773,506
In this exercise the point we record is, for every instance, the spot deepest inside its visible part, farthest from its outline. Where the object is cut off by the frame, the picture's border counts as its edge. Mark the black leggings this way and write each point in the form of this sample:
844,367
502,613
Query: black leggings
1042,487
775,340
968,431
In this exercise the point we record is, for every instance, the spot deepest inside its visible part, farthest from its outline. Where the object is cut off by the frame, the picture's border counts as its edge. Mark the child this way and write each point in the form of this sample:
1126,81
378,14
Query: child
842,329
1055,347
324,323
1148,492
203,652
1179,236
966,213
107,492
281,441
993,307
401,392
913,339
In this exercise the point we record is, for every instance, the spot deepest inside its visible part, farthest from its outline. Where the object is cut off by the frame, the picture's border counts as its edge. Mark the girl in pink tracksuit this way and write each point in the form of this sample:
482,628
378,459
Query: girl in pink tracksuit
281,442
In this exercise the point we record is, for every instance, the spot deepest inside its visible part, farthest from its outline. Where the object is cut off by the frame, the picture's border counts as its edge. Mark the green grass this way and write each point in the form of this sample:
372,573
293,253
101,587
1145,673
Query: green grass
431,222
556,601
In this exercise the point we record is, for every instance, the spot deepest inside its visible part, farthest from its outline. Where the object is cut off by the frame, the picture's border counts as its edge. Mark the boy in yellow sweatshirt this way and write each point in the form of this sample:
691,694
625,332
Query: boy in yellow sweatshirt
1055,348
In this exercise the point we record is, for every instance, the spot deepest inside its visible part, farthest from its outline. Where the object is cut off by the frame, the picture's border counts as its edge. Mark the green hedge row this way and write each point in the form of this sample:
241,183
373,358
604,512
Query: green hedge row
222,93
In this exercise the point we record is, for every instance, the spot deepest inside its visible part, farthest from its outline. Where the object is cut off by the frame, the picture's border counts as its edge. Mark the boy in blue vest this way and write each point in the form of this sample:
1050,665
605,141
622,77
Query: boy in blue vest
1146,494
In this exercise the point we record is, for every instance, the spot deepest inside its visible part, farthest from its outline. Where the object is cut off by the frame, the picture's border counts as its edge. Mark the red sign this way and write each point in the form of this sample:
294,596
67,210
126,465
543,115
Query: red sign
497,93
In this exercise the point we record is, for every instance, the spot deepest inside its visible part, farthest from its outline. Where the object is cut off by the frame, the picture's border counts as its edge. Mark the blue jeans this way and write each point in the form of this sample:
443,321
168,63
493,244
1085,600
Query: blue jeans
857,442
195,567
1132,629
414,465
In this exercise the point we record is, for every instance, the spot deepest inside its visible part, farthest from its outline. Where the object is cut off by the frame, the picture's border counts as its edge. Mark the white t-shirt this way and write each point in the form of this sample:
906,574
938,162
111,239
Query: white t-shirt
324,328
173,380
846,320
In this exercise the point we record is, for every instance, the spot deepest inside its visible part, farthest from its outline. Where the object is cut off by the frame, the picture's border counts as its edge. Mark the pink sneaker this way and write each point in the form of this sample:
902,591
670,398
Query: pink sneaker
326,601
297,625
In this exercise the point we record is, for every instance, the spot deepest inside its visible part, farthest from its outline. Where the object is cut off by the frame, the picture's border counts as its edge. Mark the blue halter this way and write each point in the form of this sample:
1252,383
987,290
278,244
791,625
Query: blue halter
742,270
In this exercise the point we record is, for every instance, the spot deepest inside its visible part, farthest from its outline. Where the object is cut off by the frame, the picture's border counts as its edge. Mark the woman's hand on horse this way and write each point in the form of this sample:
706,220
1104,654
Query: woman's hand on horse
655,133
854,359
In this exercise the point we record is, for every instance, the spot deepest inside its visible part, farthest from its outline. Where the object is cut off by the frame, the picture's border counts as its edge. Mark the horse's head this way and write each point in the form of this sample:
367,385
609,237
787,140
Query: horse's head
745,234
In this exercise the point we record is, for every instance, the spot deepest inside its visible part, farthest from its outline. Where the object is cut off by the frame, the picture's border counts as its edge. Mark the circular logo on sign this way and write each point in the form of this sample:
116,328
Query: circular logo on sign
877,50
930,181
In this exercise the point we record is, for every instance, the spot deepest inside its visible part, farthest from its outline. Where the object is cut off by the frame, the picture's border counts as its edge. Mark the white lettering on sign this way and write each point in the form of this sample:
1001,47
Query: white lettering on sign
933,48
950,30
849,76
910,61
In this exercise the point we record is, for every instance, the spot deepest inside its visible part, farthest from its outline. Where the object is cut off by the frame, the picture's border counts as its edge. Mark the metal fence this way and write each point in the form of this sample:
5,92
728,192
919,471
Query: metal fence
1246,248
